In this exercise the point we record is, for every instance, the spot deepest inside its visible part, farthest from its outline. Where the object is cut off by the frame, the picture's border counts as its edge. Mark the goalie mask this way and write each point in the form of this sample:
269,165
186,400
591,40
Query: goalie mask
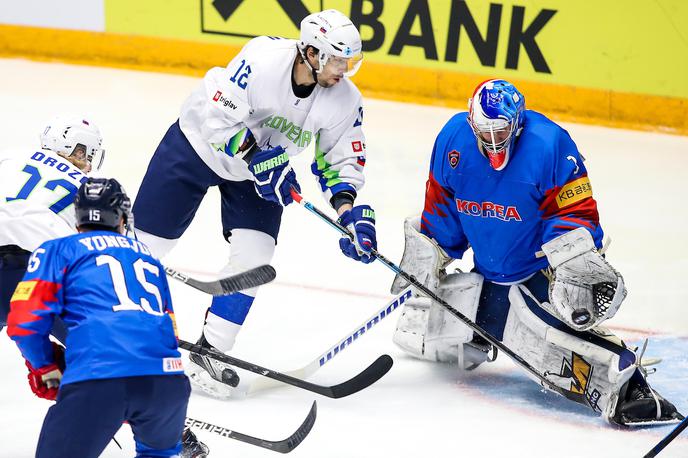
496,118
103,202
336,39
75,139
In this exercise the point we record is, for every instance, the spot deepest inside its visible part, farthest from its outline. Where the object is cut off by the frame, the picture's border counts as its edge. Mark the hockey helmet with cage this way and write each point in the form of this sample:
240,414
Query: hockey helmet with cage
496,118
335,37
65,136
102,202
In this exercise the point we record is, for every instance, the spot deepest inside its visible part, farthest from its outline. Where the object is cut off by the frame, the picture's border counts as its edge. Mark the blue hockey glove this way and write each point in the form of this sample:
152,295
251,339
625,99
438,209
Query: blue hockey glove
273,175
360,220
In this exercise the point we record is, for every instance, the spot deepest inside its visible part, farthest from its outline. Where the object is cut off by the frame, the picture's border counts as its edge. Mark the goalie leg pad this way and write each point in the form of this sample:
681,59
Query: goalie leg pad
428,331
591,368
422,258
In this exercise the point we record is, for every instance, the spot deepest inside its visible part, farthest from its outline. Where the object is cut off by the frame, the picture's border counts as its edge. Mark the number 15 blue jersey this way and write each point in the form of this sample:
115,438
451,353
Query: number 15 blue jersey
113,297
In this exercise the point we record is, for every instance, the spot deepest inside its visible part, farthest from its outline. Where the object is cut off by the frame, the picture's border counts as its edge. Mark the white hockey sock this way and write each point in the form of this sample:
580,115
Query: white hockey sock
220,333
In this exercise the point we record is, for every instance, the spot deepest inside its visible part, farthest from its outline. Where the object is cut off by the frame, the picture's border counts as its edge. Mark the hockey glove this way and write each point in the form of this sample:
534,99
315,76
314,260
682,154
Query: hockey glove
273,175
45,381
585,289
360,220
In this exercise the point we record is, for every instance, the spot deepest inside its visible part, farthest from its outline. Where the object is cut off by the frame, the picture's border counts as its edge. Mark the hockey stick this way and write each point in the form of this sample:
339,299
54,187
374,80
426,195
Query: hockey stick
671,436
281,446
312,367
364,379
228,285
460,316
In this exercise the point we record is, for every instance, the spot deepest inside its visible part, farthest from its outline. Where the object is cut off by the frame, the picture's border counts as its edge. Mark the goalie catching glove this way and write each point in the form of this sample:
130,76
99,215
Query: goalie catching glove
585,289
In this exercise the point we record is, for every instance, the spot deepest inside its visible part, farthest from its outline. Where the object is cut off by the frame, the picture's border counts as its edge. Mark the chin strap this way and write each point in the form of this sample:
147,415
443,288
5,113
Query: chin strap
314,72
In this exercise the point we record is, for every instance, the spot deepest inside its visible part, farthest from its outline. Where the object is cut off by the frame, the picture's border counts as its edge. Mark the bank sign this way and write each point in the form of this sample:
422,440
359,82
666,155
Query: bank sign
623,46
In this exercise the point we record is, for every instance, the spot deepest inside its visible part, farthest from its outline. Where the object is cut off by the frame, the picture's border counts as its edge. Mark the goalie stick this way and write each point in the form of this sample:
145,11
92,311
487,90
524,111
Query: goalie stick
228,285
664,442
542,380
281,446
364,379
343,343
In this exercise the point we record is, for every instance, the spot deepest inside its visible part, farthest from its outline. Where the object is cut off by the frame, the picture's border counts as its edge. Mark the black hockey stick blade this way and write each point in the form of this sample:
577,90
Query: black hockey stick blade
370,375
281,446
229,285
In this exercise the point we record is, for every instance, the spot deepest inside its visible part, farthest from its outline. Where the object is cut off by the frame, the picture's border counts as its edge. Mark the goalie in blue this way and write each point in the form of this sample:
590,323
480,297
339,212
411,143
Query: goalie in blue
511,185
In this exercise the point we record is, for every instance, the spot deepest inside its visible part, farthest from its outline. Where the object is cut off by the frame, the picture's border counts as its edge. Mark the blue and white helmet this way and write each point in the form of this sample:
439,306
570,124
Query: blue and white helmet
496,117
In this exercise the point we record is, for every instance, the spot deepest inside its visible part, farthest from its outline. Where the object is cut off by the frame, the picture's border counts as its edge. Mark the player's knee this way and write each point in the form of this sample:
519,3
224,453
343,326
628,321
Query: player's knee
250,248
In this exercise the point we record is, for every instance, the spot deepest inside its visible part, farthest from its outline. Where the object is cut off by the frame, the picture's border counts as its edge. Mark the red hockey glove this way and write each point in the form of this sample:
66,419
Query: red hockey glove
45,381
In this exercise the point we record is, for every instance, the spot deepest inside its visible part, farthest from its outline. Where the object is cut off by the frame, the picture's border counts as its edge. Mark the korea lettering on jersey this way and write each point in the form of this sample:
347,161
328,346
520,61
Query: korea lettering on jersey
254,92
37,191
114,299
507,215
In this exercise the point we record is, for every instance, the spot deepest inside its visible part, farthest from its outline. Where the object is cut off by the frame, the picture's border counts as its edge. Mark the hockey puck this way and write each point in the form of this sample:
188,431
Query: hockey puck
580,316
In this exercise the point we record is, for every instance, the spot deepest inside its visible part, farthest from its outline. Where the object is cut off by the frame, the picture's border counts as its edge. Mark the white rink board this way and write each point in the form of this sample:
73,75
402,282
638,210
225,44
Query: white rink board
418,409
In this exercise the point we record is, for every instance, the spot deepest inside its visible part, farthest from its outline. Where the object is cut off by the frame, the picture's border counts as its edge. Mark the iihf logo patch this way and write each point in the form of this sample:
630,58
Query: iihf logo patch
454,157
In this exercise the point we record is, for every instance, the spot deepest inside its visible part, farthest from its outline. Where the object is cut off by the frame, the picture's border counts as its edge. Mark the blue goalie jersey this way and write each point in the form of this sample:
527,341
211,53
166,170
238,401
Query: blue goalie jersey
506,216
114,299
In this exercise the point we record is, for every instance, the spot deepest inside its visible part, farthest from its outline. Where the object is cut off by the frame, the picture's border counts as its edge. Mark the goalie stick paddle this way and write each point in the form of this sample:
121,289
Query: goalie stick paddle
364,379
424,289
671,436
311,368
228,285
281,446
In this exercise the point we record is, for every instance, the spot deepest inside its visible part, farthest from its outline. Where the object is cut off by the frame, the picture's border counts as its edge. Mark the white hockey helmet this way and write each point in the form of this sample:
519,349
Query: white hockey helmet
335,37
63,134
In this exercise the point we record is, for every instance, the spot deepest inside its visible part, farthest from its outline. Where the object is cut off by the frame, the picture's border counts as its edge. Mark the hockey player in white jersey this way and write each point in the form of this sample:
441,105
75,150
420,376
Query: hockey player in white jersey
37,190
237,131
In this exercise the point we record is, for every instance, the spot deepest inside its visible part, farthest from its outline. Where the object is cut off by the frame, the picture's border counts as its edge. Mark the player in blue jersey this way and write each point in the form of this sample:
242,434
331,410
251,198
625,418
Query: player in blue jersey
37,188
511,185
121,361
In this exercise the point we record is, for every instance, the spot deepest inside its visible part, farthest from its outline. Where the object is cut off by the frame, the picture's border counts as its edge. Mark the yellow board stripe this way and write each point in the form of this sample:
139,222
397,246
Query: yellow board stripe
386,81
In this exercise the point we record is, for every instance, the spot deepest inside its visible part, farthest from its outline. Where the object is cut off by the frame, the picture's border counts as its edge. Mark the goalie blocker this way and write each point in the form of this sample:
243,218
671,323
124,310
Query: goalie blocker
594,367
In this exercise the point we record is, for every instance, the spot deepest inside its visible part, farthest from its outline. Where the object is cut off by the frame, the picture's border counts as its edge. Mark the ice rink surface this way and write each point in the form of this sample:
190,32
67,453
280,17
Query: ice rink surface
419,409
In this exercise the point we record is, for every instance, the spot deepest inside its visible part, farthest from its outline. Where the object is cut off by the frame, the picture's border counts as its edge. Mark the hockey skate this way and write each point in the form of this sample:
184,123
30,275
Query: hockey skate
213,377
476,352
192,447
641,405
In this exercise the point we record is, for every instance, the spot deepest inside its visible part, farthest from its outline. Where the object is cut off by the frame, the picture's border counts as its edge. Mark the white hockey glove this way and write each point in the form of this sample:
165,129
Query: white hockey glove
422,258
585,289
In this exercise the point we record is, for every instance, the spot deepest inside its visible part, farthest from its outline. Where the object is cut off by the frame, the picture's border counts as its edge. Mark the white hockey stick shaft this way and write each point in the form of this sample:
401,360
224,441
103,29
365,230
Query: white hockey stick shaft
311,368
